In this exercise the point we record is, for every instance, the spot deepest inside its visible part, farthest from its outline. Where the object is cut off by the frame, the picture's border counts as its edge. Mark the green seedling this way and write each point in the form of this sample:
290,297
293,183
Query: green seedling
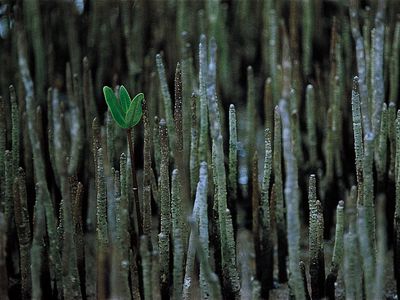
127,113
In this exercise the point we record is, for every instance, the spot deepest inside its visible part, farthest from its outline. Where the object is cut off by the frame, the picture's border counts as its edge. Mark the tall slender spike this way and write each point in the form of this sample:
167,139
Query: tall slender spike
268,104
391,120
146,266
156,146
15,133
381,250
365,251
316,246
381,151
358,141
292,204
102,226
368,191
178,114
337,252
79,235
39,232
165,229
279,209
8,188
71,282
352,269
231,254
266,256
177,233
123,237
146,202
232,170
194,142
251,117
23,231
255,208
203,134
166,99
338,247
179,149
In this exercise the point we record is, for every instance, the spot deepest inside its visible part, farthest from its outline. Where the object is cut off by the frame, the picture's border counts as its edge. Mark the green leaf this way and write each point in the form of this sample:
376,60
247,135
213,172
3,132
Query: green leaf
114,107
124,98
134,112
